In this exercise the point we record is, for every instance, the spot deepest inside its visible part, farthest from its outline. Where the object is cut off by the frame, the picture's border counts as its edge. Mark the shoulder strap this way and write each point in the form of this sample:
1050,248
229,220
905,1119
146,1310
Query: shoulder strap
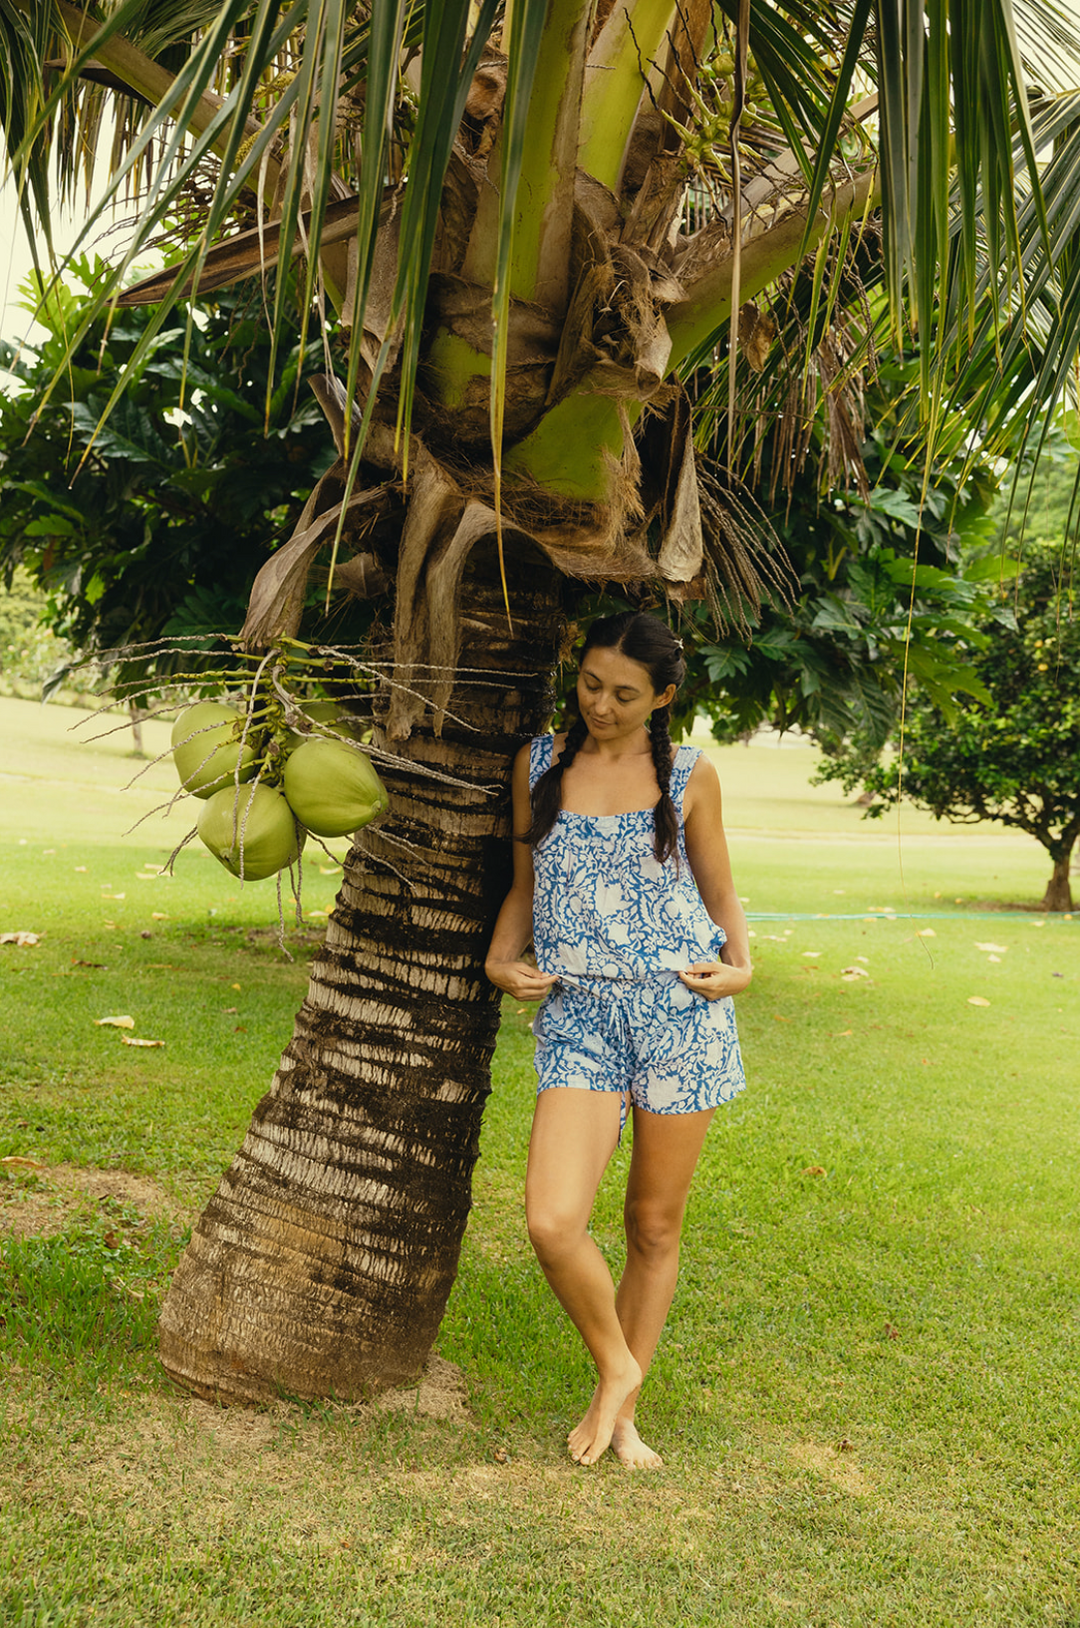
540,748
685,758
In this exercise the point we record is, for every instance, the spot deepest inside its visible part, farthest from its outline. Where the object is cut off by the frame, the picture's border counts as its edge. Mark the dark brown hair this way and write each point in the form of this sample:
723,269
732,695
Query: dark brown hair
651,643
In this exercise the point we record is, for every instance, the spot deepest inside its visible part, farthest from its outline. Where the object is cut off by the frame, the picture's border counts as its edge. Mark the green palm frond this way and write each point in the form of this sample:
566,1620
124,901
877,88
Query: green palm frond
325,130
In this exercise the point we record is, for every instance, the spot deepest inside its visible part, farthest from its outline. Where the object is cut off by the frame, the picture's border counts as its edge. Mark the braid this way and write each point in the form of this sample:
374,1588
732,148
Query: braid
665,819
547,793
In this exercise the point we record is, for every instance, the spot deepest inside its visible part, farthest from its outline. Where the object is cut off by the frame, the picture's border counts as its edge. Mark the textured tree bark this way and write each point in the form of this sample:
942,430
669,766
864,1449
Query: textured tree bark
322,1265
1058,895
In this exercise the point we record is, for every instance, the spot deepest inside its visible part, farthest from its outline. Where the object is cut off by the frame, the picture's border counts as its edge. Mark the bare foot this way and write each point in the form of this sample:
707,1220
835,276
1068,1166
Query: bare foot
630,1450
591,1439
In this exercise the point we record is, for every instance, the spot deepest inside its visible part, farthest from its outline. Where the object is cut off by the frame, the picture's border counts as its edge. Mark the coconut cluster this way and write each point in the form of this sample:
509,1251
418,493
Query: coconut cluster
324,784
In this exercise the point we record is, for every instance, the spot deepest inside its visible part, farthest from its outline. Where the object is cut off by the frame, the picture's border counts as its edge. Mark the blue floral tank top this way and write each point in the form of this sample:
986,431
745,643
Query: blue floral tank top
603,905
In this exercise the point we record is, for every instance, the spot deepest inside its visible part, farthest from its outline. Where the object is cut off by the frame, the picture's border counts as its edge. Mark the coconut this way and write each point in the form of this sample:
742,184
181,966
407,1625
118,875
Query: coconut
332,788
206,748
253,832
326,715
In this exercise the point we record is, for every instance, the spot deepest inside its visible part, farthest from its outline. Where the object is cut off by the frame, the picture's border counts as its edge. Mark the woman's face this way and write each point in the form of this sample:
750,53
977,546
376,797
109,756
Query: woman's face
615,695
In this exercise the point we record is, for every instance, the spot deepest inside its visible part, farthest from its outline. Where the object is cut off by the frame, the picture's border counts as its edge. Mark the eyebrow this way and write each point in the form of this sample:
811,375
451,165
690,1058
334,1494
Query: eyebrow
621,689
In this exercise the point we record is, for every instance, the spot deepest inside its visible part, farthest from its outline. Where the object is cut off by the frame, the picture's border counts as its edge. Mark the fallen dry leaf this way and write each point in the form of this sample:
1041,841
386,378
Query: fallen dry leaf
22,939
813,954
16,1161
130,1040
814,1170
926,932
992,949
849,974
892,1331
115,1022
978,1000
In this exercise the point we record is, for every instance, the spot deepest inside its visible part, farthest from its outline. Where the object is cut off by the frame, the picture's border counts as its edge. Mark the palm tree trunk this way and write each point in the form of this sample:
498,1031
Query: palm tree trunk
323,1263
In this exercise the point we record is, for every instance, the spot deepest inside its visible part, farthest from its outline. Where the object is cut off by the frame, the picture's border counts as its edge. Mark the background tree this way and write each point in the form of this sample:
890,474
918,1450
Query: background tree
29,650
533,233
1014,756
893,560
156,523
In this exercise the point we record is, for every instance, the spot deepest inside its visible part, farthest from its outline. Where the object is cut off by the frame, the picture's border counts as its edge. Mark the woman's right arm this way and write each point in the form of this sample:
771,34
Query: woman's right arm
513,928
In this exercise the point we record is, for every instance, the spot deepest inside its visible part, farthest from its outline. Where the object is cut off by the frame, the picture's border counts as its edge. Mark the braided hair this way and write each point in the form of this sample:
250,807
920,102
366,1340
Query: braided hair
650,642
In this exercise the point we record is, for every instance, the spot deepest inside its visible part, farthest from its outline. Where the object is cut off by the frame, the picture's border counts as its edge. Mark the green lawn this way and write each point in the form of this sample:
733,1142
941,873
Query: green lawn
866,1394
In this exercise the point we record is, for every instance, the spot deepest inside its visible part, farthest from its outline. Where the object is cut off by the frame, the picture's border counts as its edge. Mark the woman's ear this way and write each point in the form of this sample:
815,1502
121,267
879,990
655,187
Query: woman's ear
666,697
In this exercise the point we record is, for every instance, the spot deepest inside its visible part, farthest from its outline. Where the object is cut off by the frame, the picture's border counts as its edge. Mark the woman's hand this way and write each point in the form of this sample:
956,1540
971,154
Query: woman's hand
714,979
518,978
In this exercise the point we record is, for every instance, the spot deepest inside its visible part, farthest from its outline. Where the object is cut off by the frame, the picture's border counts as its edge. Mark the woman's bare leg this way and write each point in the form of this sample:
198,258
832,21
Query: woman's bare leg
574,1135
665,1155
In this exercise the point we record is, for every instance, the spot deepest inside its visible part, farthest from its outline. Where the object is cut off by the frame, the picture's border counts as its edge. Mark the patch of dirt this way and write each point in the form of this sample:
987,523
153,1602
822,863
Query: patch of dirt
1028,907
44,1205
833,1464
441,1393
236,1427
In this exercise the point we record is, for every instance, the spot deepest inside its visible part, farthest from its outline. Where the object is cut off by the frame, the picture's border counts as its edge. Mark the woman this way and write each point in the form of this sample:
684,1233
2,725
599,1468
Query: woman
622,883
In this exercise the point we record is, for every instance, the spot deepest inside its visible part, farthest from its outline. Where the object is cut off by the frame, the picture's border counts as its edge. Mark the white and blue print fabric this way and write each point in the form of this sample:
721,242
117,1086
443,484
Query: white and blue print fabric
615,927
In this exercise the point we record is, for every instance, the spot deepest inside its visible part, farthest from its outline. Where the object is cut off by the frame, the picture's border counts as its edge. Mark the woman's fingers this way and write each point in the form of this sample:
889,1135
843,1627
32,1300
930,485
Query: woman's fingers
519,979
714,980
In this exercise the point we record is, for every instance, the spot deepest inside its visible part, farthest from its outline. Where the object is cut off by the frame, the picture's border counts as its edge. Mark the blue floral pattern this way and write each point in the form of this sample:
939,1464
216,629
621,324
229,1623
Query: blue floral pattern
615,926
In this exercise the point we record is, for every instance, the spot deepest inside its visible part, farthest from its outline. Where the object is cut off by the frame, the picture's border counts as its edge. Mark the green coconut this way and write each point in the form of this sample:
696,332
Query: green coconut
206,748
253,832
332,788
329,716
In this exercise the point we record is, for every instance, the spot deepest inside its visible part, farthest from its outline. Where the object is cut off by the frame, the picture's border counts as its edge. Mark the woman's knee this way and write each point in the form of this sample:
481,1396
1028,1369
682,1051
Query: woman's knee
555,1229
653,1230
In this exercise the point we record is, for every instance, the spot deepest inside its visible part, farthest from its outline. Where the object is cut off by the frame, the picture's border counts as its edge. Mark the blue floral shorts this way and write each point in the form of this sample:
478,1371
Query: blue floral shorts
671,1051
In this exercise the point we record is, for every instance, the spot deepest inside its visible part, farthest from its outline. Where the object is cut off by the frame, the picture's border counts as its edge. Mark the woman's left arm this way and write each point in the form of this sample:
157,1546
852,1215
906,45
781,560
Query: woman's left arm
706,847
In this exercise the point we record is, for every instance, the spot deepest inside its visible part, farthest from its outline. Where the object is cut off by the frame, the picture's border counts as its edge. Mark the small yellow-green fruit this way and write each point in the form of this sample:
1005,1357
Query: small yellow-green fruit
253,832
332,788
206,748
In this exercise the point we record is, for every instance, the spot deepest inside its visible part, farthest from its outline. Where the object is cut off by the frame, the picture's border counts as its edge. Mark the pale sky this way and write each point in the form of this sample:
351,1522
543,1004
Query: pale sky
16,261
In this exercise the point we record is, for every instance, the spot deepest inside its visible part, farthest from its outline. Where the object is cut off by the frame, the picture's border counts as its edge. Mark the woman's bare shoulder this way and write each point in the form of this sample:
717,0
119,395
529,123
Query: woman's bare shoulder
702,787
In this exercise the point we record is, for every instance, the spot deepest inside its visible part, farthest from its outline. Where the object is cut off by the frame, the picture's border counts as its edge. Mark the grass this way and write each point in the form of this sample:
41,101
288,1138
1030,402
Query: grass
866,1391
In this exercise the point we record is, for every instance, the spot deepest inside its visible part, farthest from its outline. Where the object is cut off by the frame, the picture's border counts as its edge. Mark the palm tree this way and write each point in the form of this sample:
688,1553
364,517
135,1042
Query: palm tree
537,222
